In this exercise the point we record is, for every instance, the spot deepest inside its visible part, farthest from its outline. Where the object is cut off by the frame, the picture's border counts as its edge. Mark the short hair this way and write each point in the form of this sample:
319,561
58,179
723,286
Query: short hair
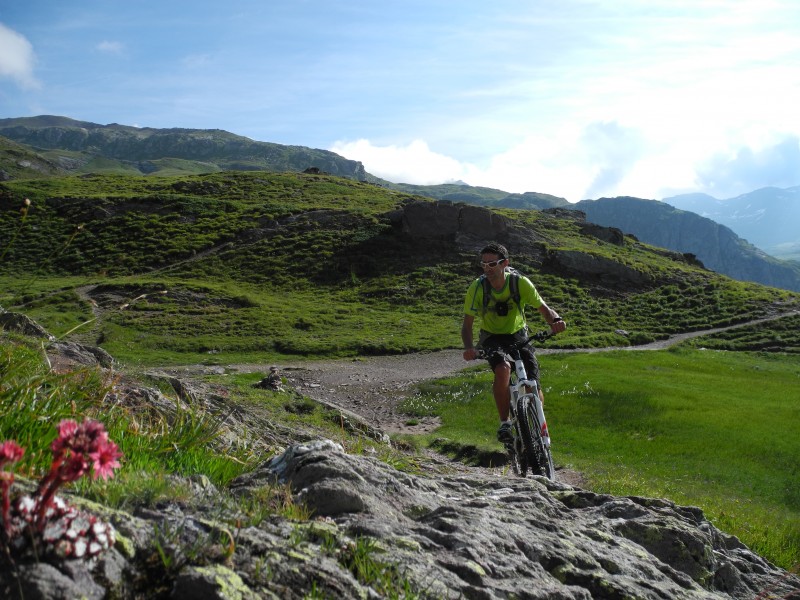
495,248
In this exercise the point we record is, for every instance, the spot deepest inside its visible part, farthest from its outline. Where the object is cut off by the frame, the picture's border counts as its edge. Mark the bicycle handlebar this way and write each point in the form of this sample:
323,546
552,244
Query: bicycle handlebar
539,336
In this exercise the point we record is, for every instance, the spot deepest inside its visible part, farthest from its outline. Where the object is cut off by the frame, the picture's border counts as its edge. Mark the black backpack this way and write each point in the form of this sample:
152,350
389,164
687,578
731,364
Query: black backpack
513,286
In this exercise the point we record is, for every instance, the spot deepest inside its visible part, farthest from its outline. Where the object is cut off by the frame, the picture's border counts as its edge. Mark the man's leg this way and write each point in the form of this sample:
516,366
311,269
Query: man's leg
502,395
502,399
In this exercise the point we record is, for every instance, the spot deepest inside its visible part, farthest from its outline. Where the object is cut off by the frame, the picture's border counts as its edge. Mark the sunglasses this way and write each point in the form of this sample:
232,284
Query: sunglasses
492,263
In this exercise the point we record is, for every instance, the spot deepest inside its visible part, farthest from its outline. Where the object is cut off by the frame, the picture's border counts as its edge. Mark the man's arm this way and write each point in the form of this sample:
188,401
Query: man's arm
551,317
466,337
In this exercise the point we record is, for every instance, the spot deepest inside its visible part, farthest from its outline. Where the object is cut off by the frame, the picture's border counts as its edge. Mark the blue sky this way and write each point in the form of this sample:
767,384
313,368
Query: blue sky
575,98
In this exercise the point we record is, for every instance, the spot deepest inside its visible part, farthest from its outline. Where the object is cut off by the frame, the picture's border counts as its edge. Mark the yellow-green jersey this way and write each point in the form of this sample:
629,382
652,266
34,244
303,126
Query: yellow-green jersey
494,321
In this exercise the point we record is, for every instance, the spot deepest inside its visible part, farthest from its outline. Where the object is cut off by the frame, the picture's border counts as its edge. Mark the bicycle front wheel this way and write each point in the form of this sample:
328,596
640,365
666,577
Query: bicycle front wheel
537,451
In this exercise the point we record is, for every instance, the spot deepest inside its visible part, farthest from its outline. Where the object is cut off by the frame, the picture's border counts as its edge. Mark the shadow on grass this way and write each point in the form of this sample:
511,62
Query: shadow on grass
470,454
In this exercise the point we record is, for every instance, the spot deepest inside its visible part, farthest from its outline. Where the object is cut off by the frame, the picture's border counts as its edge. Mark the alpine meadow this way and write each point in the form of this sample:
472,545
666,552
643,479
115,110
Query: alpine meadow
259,267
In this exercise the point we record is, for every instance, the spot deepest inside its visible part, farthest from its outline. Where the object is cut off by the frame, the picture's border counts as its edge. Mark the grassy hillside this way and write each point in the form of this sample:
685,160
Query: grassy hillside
18,161
252,266
255,265
84,147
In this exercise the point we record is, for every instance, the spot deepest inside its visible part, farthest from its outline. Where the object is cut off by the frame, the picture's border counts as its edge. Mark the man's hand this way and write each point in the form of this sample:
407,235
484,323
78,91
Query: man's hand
558,326
470,354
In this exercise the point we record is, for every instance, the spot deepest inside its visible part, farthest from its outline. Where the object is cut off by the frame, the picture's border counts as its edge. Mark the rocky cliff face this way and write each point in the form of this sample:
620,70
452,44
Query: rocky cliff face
719,248
470,226
767,217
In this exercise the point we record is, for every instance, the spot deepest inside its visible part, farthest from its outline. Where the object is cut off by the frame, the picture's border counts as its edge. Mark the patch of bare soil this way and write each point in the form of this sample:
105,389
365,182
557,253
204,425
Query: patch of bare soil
373,388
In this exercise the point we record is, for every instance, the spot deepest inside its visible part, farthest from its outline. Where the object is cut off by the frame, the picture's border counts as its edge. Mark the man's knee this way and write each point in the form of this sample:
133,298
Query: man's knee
503,370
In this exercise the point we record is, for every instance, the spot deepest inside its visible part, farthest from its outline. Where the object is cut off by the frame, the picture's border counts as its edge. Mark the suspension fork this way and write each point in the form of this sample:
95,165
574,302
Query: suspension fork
537,403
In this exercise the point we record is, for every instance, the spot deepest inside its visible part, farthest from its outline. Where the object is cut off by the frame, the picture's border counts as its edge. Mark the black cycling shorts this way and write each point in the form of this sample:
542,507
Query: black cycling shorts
497,347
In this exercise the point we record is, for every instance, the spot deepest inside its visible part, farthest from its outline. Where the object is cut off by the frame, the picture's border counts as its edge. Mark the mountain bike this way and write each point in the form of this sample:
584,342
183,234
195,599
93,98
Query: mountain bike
530,447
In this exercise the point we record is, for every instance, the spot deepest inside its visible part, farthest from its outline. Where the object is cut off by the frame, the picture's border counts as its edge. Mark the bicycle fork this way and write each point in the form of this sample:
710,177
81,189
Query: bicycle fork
522,376
540,413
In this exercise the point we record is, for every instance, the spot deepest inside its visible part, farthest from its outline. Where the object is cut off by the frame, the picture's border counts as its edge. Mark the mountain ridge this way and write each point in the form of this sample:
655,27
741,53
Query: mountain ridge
60,146
716,245
140,149
768,217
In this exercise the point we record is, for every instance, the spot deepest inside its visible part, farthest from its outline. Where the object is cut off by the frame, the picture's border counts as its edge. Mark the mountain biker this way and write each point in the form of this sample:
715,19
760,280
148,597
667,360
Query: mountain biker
502,323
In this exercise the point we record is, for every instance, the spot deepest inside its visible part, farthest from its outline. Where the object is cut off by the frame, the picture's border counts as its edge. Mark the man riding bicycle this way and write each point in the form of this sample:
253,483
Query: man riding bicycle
502,323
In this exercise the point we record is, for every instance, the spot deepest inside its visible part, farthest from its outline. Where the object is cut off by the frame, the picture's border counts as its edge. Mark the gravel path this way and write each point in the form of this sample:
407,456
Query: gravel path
373,387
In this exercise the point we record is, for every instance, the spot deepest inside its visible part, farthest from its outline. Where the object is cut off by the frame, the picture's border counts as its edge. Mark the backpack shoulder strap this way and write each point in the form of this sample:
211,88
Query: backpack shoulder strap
513,285
487,291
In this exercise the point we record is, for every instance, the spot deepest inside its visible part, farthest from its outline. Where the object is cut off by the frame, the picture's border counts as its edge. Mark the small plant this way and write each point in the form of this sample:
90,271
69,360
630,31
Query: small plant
42,523
24,212
358,556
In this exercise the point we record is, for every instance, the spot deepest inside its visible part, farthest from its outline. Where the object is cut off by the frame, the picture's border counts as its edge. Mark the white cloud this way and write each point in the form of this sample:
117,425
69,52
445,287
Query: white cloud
414,163
110,47
600,159
17,58
541,164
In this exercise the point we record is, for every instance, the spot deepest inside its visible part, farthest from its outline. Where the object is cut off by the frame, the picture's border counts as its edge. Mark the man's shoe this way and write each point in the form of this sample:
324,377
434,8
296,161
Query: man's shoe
504,434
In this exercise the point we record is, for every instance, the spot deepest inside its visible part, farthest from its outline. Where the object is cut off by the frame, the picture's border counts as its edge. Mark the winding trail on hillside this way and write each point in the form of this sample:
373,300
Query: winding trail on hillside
373,387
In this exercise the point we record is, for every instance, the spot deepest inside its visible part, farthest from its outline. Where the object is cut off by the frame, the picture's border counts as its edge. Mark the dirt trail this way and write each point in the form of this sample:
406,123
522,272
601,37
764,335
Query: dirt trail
373,387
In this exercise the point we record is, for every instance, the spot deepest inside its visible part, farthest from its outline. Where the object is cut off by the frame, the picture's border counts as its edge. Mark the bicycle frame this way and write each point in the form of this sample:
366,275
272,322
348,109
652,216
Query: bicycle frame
531,445
532,396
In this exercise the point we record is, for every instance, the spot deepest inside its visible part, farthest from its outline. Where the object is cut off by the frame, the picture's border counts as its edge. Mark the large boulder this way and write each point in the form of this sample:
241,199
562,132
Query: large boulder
493,537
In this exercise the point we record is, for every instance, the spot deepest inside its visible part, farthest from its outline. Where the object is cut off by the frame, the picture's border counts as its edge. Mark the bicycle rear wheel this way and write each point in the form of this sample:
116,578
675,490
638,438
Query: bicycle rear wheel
537,451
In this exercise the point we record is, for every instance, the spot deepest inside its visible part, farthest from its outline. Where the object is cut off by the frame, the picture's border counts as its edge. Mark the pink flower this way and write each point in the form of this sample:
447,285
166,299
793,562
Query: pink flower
10,452
66,432
74,468
79,438
105,460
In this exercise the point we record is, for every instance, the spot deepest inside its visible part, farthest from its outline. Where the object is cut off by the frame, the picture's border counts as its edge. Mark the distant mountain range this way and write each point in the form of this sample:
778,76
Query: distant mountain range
768,218
79,147
47,146
716,245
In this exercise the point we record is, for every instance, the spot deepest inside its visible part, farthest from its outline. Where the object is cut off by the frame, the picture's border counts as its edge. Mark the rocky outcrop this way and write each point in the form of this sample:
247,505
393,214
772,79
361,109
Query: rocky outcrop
446,536
472,226
82,354
596,267
447,221
22,324
470,537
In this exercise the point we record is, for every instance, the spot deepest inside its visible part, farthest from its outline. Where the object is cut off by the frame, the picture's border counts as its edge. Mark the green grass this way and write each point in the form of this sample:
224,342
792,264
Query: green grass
260,265
156,442
34,399
719,430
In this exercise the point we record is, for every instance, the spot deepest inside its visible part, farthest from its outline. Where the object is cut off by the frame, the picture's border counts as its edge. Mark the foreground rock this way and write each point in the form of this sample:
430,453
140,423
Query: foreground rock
379,532
352,526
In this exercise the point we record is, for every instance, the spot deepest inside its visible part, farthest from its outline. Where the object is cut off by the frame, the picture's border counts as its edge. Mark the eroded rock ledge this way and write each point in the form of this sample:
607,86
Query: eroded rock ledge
445,536
464,537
